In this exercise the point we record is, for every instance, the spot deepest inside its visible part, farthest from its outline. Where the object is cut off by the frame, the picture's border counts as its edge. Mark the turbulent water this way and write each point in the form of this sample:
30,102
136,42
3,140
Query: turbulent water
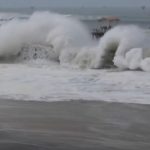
57,52
52,57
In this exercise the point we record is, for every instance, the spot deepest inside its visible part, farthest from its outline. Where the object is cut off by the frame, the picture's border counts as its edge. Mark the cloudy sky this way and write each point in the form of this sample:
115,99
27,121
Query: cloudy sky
75,3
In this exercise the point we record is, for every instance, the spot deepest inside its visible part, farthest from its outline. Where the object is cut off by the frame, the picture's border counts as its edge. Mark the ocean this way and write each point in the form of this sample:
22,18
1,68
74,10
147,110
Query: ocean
62,89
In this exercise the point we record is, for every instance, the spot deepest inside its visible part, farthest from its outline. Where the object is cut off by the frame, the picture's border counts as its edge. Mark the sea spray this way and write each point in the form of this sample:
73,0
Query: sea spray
129,44
55,32
125,46
54,37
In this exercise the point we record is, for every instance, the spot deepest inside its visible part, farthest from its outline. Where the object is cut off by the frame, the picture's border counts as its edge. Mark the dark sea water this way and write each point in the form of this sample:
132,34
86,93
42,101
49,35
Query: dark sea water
127,15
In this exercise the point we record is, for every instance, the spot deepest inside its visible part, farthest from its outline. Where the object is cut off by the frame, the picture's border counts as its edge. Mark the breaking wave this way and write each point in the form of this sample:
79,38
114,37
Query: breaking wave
43,34
127,47
59,38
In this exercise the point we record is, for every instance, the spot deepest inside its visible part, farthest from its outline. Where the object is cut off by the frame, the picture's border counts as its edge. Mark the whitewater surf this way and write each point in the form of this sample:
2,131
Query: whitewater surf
55,37
56,52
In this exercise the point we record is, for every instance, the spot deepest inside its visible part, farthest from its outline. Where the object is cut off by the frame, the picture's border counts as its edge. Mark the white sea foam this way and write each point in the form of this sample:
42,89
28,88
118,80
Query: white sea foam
48,41
55,83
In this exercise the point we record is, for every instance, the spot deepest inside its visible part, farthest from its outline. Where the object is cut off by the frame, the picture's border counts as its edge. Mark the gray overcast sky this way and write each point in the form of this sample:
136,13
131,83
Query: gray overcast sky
75,3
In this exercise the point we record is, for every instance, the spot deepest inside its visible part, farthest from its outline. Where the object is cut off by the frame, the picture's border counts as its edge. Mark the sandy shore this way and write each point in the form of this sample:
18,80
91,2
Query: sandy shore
73,125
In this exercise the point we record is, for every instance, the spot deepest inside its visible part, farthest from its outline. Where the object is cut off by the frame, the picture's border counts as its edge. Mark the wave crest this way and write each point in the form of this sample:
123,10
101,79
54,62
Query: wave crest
50,31
55,37
126,47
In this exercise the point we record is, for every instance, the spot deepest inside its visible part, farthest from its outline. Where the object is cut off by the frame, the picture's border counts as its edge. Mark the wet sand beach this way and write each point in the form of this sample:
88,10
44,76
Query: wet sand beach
73,125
